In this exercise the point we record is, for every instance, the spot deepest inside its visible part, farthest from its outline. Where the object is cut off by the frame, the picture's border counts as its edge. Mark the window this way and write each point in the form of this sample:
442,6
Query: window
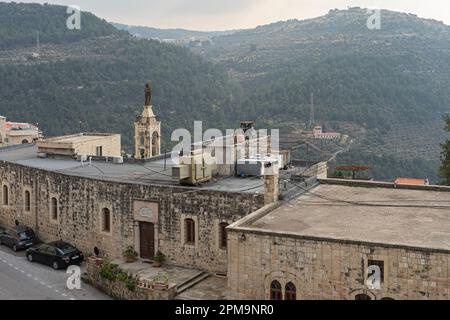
223,235
54,208
379,264
27,201
275,291
106,220
99,151
5,195
190,231
290,292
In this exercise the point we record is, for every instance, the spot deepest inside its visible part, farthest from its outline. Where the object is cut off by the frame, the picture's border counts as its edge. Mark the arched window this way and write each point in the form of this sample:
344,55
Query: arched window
106,220
275,291
155,143
190,231
54,208
362,297
223,238
27,201
290,292
5,195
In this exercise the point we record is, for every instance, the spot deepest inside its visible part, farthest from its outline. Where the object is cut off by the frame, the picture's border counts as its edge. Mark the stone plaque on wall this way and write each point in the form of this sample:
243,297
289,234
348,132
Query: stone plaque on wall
145,211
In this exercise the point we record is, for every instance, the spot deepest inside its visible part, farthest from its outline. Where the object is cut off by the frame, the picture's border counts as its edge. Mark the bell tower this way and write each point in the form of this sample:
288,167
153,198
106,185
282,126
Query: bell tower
147,130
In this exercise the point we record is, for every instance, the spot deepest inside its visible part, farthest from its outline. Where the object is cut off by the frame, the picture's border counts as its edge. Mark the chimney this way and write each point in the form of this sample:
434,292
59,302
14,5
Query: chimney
271,189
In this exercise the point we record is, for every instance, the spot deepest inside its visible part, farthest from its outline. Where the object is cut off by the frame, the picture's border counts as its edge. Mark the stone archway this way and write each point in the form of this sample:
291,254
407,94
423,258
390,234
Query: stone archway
362,294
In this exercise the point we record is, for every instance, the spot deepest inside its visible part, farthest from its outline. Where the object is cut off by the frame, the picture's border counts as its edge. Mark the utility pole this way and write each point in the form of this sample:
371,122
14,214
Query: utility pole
312,120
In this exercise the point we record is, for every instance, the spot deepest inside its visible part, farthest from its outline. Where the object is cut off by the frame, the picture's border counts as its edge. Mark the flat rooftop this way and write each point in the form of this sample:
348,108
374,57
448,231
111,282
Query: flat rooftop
381,215
81,137
150,173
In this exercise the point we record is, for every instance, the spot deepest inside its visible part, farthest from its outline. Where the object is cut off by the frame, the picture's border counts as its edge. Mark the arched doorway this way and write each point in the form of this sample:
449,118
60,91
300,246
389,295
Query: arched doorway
25,141
362,297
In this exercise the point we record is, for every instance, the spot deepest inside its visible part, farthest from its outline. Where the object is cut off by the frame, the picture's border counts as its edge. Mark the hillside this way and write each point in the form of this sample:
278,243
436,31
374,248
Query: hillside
93,78
169,34
392,82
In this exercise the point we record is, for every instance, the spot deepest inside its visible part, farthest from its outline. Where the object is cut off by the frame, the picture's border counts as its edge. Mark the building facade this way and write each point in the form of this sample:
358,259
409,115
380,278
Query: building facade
389,244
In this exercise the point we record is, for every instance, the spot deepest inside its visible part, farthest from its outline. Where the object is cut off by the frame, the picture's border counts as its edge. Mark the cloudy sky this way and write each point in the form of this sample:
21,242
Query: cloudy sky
237,14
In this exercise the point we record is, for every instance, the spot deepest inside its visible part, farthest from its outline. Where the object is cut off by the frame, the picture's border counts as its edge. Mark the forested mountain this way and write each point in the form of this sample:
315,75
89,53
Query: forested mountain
387,89
93,79
393,83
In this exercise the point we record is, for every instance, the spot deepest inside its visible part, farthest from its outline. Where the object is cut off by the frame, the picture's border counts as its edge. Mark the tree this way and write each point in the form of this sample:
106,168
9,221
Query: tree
445,156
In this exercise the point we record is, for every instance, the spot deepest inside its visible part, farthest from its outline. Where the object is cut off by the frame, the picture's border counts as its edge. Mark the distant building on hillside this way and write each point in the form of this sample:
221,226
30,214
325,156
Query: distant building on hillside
317,133
14,133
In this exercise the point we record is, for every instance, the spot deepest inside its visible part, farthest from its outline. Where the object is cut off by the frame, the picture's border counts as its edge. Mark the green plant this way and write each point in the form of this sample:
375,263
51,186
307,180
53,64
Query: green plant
160,257
122,276
129,253
109,271
131,283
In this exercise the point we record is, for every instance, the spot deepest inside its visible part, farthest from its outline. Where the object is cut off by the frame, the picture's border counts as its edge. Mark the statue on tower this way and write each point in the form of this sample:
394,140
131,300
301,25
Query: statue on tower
148,94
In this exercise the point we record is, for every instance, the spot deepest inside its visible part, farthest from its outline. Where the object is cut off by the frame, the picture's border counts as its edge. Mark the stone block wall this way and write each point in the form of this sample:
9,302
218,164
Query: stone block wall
332,270
81,200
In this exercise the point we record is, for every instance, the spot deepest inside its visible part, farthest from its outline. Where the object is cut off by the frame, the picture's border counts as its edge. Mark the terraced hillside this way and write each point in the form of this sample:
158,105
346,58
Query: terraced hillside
93,79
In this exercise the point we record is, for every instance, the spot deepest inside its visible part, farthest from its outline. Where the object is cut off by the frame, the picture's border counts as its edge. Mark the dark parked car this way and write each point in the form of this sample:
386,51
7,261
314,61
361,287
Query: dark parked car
17,238
57,254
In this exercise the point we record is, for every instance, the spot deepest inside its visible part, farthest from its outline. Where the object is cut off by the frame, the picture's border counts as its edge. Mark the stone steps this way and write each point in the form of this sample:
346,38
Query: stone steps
192,282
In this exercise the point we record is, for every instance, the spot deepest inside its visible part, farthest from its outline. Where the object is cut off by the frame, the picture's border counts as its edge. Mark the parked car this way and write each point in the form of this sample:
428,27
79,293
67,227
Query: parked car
18,237
56,254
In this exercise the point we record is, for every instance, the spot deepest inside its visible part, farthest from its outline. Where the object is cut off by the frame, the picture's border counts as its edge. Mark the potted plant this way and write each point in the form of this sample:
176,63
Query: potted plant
159,284
94,260
159,259
130,254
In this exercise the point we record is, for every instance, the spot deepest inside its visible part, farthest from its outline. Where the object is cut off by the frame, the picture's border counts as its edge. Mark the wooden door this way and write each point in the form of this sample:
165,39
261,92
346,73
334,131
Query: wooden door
147,240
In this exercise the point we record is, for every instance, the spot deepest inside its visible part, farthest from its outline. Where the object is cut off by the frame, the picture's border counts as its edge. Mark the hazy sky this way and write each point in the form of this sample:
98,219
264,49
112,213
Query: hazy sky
236,14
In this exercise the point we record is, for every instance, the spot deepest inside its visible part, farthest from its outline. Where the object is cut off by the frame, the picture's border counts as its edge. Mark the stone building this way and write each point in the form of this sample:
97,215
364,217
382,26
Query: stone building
147,130
15,133
113,205
83,144
345,240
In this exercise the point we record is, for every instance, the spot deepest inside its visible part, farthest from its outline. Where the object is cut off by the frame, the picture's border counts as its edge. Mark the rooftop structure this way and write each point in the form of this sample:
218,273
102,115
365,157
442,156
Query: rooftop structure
157,171
369,212
410,181
83,144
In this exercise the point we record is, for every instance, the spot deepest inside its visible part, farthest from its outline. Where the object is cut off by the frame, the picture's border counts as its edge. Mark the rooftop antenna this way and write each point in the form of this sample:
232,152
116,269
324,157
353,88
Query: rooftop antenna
312,121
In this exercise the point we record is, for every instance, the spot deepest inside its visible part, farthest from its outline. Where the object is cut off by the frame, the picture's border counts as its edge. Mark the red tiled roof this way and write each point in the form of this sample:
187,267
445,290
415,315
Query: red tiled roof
411,181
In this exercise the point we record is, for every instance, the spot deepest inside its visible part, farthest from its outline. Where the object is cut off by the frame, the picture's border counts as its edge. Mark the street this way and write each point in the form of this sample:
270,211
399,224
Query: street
22,280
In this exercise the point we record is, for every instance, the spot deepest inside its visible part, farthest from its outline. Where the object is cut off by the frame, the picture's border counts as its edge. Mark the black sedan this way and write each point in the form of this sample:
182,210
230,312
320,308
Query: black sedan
57,254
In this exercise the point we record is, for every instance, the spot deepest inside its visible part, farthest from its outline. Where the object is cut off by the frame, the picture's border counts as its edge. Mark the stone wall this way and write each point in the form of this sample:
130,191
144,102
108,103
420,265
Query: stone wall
119,290
81,200
327,269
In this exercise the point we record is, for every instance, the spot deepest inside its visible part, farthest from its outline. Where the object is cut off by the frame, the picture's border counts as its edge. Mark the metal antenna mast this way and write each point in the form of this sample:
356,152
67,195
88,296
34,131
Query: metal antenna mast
312,121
